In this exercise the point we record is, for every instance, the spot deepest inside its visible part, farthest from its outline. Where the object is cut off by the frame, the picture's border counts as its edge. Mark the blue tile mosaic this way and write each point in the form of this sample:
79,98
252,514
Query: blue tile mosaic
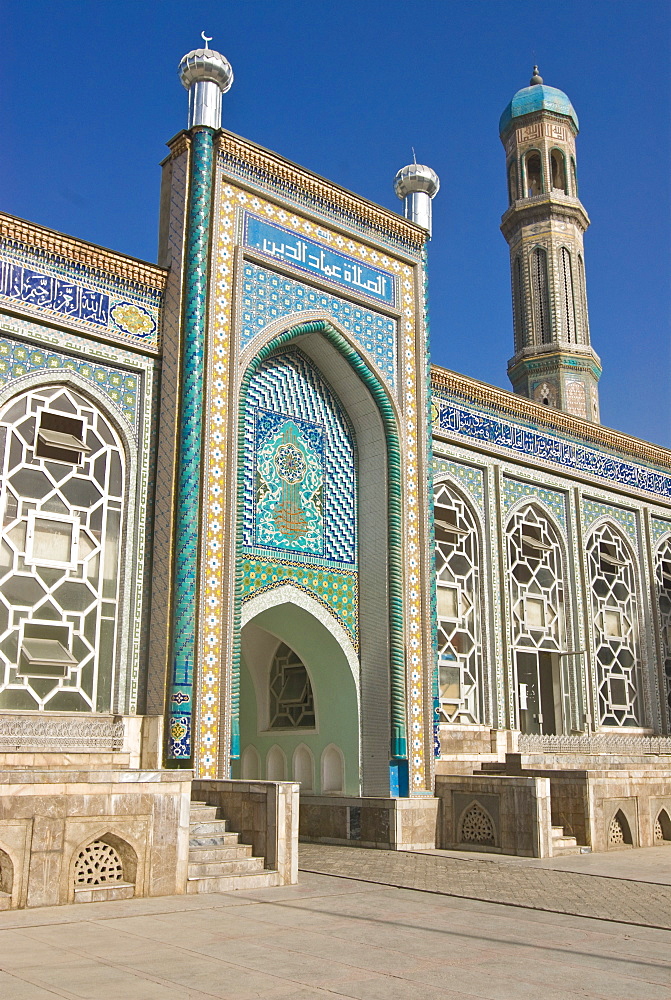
546,447
299,470
267,296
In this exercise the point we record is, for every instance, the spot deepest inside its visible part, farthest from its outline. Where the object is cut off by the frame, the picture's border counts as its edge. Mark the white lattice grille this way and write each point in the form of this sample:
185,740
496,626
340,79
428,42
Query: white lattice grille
62,495
98,864
615,832
659,833
614,609
663,577
536,582
458,608
291,700
477,827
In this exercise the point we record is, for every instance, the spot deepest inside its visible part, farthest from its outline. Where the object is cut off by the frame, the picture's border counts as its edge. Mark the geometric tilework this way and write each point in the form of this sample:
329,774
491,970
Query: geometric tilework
267,296
471,479
514,491
335,589
292,411
546,447
120,387
591,510
659,529
188,493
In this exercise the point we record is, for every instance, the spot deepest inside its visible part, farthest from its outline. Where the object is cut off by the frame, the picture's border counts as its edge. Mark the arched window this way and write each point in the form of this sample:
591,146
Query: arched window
558,168
568,299
292,703
538,627
62,504
519,303
663,580
512,182
612,582
541,296
574,178
458,607
534,174
582,297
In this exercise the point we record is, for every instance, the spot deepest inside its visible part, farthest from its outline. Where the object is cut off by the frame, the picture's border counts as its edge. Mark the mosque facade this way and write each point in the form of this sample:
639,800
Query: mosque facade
252,539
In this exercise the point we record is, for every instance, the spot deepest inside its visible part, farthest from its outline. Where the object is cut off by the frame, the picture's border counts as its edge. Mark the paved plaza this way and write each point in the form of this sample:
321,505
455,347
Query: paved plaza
334,936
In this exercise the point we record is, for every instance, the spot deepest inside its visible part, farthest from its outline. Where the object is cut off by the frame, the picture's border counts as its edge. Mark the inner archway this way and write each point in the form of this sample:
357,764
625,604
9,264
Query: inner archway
299,682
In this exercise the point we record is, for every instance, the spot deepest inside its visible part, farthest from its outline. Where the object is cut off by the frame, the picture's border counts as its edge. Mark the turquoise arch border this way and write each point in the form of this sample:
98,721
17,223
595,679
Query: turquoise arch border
399,741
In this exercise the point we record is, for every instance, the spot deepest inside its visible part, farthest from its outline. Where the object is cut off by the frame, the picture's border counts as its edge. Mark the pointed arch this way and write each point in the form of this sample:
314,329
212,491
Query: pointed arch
614,586
385,408
462,684
303,767
662,571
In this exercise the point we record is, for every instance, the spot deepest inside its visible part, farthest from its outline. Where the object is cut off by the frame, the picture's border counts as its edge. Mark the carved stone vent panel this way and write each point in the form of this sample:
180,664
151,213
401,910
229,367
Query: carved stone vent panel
662,827
477,827
61,501
98,864
619,833
460,658
663,580
612,580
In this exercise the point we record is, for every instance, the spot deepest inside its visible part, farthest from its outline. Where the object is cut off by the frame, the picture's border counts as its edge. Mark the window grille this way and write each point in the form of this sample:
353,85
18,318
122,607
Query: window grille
541,295
614,611
291,699
567,296
663,580
536,582
460,661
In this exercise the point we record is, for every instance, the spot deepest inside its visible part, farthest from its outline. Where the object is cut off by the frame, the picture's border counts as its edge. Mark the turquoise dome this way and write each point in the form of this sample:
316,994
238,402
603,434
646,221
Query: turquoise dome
539,97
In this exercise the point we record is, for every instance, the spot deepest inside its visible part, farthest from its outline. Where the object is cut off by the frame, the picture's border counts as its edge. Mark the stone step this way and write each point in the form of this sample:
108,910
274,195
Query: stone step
228,883
226,852
563,852
5,900
239,866
201,814
213,829
222,840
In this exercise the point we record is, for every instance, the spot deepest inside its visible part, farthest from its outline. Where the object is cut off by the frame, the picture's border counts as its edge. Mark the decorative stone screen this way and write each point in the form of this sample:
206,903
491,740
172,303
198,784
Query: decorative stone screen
62,498
292,703
536,582
476,827
612,581
98,864
458,608
663,578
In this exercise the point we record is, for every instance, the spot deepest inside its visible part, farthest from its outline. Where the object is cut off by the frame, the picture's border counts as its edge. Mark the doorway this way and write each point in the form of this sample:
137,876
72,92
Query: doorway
539,692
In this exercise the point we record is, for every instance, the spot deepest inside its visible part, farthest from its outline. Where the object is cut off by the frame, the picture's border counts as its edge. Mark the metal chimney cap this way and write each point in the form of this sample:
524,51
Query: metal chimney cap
203,65
414,178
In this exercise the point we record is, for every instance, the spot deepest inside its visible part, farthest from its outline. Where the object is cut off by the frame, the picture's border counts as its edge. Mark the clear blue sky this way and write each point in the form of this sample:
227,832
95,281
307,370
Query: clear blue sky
346,88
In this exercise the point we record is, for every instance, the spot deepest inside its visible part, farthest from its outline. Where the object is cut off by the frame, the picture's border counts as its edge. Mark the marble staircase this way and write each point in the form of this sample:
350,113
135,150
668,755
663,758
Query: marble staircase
218,862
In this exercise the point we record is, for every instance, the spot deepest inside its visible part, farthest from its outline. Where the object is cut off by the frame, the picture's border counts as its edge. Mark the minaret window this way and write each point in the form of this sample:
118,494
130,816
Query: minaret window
582,292
558,166
567,296
543,333
534,172
518,305
512,182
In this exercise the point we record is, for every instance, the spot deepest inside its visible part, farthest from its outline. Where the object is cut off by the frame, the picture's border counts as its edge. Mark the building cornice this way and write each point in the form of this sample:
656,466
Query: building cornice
55,244
543,208
520,407
324,192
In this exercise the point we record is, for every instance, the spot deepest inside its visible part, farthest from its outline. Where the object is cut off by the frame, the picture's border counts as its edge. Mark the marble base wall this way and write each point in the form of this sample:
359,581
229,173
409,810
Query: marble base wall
48,817
506,815
394,824
264,813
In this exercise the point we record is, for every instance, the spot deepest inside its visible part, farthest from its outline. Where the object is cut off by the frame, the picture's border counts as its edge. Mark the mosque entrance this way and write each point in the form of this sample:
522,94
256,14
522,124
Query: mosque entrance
538,692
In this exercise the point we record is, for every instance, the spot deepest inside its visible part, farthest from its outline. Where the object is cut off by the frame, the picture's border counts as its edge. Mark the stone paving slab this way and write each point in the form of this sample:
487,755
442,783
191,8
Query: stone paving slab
326,937
587,895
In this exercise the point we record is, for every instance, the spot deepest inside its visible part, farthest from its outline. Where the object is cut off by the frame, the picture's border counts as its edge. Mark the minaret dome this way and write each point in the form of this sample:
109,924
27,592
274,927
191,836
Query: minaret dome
416,185
206,74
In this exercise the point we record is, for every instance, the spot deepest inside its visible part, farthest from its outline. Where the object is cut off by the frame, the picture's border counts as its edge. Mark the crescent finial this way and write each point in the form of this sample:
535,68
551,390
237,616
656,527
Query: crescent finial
206,39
